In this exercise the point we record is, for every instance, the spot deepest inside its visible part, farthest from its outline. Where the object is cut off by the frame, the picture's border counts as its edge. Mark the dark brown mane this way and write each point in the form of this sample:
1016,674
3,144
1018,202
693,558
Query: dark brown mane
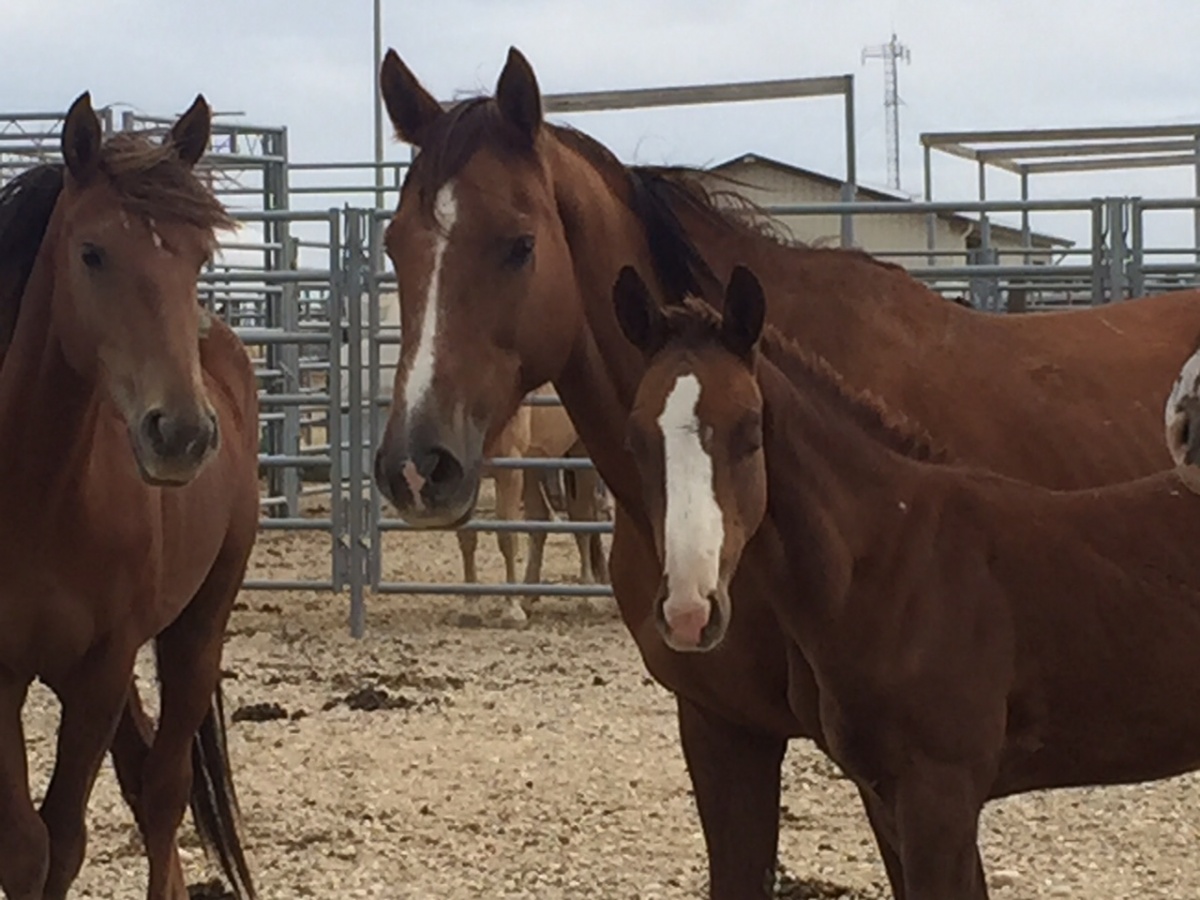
684,188
694,324
153,181
26,204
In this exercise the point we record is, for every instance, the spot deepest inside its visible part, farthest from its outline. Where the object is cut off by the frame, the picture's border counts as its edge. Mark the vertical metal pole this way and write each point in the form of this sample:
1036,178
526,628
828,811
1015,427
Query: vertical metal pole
1097,251
982,181
930,218
1196,212
337,485
1137,278
289,364
375,269
354,295
1026,235
850,188
1116,249
377,103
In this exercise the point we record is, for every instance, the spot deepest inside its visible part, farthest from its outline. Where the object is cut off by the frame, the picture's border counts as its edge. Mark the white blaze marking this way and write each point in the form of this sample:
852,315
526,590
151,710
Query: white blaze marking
694,529
420,375
1187,385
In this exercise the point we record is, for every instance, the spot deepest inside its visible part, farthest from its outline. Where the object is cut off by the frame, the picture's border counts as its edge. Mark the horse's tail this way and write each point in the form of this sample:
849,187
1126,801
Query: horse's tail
214,802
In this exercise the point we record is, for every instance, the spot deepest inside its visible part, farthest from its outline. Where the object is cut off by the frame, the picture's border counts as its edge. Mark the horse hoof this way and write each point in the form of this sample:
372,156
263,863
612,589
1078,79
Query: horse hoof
513,617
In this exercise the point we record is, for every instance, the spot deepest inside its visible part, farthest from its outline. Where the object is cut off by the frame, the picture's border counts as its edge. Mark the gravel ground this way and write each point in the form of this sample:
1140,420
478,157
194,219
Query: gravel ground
436,761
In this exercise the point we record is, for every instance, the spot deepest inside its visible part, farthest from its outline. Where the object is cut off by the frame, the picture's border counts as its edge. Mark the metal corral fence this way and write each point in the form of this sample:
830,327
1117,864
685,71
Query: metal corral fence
302,287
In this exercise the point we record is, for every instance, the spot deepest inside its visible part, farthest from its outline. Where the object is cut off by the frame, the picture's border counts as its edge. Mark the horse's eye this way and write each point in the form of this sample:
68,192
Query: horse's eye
747,436
92,256
520,251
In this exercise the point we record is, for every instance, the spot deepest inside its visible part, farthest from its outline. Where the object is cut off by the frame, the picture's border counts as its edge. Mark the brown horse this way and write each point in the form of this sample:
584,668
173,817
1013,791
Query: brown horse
128,503
972,636
506,242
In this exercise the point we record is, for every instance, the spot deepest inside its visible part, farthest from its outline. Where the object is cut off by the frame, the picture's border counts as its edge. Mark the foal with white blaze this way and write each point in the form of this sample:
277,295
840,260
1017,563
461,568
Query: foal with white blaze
699,489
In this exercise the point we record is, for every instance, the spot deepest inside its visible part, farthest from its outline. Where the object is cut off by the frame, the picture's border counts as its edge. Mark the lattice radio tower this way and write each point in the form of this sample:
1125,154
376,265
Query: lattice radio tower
890,52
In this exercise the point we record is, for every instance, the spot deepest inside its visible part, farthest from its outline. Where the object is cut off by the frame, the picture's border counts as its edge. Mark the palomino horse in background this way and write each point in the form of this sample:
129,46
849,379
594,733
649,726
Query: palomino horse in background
538,432
128,503
972,636
507,240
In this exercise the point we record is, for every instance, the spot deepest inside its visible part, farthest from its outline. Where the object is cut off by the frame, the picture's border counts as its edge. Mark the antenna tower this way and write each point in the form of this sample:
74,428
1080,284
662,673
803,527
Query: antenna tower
890,52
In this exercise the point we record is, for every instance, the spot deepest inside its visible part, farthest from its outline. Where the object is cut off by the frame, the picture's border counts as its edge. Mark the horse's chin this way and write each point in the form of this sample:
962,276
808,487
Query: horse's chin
446,518
163,474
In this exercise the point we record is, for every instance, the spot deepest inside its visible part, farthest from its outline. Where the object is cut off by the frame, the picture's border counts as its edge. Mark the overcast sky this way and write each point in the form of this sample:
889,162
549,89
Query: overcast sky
307,64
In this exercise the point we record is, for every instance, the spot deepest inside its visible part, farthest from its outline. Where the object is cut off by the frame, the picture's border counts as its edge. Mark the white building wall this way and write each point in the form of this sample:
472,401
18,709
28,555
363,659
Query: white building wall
899,238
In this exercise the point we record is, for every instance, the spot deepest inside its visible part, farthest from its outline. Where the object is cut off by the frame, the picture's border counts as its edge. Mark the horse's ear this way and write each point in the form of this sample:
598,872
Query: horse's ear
411,108
518,95
81,139
745,311
638,314
189,136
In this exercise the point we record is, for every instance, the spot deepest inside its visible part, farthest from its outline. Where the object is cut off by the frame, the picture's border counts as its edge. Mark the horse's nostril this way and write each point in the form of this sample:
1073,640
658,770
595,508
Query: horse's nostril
152,427
440,467
178,437
715,620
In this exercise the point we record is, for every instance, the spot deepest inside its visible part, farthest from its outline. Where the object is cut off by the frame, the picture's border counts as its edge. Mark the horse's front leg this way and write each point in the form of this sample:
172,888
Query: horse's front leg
131,746
937,808
736,778
92,699
24,844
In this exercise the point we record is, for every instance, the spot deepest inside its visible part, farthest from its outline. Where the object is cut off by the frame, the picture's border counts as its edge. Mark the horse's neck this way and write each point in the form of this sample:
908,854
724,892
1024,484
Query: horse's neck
828,477
841,304
47,410
600,378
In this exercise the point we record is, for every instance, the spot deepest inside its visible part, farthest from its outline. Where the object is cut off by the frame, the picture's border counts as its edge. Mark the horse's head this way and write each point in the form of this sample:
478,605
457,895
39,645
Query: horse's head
1182,414
696,436
134,227
488,296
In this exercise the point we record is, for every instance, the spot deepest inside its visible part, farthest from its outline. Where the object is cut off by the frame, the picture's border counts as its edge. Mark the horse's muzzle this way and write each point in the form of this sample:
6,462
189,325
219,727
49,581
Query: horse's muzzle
431,476
172,447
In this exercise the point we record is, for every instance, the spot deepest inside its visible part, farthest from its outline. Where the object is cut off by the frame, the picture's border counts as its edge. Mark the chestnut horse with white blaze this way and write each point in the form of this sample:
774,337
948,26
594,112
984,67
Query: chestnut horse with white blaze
128,502
972,636
507,239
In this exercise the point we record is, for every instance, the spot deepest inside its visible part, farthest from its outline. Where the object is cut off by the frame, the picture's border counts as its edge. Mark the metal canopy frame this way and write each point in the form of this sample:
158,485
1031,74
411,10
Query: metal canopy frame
1035,151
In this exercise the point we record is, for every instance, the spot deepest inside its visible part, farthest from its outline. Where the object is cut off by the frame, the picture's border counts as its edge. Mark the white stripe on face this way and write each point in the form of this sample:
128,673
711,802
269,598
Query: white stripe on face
694,529
420,375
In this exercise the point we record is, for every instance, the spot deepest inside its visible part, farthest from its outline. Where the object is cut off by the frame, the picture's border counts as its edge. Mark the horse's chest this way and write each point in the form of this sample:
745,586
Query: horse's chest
63,594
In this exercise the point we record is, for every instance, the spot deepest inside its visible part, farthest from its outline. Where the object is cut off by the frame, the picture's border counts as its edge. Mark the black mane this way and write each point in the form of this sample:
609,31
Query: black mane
26,204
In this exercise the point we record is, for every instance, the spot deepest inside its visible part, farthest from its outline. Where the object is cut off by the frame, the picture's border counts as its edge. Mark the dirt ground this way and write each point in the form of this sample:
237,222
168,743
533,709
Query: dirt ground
540,763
